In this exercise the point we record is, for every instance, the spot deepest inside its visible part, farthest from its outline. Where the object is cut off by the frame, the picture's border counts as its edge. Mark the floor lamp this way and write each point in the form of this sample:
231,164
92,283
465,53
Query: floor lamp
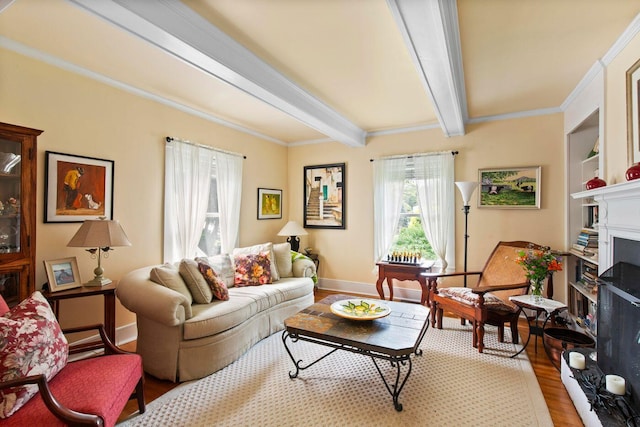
466,190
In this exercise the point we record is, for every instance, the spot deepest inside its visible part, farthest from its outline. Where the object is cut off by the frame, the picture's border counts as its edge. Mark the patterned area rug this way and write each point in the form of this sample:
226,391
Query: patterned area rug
451,384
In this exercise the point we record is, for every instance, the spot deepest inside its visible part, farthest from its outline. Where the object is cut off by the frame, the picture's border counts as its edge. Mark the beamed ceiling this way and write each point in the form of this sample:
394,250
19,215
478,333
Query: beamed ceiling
301,71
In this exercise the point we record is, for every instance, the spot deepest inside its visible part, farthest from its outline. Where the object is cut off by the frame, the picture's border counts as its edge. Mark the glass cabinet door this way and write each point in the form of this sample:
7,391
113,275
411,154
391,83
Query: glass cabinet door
10,196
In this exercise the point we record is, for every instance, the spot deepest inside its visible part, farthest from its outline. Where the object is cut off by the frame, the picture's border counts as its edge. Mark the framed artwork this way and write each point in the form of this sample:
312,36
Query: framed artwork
633,113
62,274
510,188
269,203
324,196
77,188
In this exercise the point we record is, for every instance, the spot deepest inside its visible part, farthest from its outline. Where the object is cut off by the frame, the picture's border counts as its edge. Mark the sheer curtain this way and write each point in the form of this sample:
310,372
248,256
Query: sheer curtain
229,172
188,171
434,175
388,182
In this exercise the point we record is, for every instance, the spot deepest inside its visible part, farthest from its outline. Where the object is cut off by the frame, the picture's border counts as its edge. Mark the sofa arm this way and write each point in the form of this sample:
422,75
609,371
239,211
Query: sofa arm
303,267
148,299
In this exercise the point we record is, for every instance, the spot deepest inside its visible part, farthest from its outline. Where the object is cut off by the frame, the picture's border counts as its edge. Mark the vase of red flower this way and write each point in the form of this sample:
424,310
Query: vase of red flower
538,264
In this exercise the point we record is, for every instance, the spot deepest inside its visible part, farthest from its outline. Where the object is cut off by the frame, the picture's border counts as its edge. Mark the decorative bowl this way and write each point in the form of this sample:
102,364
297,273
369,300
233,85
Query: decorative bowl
595,183
360,309
633,172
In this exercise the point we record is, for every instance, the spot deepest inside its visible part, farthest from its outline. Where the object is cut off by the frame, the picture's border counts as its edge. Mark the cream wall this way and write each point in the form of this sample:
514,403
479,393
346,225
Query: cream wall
347,255
83,117
616,159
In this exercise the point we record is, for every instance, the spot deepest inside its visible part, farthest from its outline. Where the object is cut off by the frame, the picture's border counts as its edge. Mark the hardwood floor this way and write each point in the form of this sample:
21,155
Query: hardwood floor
563,413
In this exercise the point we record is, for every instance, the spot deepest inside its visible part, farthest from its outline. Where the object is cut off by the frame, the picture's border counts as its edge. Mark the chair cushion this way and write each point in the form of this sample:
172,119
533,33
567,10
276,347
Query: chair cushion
253,269
4,308
31,343
113,379
466,296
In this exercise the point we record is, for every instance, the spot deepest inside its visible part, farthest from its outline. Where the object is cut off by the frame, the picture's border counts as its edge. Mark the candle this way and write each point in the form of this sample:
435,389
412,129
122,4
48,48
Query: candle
576,360
615,384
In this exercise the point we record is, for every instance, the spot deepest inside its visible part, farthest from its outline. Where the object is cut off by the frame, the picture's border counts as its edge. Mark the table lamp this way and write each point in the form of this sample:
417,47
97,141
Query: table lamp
101,236
293,230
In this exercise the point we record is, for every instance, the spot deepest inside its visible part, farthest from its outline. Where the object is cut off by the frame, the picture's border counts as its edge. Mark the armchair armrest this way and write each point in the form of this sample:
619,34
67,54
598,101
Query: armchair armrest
66,415
104,343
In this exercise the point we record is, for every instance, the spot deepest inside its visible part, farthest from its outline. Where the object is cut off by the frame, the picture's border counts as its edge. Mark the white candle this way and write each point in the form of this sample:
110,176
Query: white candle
576,360
615,384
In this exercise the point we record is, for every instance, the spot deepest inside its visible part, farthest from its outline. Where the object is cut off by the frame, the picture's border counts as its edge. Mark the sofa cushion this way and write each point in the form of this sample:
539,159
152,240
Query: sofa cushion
31,343
256,249
169,276
252,269
282,254
244,302
223,266
198,287
217,286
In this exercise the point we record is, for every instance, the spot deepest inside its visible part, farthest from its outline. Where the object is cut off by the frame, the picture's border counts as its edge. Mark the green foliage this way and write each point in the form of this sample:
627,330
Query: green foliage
411,238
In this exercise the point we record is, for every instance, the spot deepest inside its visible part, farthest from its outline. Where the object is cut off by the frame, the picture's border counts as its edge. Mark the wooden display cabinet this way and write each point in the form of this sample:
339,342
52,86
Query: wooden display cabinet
18,149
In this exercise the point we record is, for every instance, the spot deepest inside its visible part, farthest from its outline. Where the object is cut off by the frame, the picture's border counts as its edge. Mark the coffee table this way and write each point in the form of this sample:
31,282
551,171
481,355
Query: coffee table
395,337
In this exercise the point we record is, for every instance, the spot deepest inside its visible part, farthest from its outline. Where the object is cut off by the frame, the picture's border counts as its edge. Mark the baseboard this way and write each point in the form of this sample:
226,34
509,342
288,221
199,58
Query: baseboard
369,289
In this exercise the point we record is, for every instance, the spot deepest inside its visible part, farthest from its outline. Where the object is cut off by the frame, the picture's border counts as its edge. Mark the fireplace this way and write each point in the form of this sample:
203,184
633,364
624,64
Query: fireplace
618,328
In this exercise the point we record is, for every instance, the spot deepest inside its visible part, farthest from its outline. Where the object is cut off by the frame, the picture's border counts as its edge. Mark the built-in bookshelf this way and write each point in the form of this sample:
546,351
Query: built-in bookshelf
583,294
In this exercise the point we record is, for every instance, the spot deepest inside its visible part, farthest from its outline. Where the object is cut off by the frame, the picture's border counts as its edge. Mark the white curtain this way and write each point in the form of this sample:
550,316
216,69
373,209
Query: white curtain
188,169
229,173
434,175
388,183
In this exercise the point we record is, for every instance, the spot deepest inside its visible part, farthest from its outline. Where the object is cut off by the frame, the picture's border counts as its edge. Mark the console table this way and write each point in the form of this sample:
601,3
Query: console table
399,271
108,292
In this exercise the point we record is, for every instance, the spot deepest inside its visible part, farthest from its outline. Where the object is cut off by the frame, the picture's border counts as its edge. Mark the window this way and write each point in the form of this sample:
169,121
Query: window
414,206
210,239
410,236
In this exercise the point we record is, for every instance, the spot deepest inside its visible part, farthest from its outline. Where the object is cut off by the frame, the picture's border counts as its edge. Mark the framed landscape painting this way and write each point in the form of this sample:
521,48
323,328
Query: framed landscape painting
324,196
510,188
269,203
77,188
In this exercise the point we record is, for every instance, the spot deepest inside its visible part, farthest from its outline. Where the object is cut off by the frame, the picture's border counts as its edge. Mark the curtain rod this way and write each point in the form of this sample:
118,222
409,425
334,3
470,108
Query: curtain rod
410,156
170,139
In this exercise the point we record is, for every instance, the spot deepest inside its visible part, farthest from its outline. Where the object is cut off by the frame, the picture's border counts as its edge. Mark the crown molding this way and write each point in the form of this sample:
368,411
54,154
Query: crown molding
60,63
516,115
175,28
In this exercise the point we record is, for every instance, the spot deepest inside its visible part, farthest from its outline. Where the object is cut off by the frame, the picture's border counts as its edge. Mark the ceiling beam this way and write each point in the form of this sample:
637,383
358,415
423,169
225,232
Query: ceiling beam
431,33
179,31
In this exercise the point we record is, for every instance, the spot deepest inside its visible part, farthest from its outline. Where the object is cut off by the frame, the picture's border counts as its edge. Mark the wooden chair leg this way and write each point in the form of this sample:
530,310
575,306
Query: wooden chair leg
475,334
140,395
439,313
432,314
480,333
515,337
501,333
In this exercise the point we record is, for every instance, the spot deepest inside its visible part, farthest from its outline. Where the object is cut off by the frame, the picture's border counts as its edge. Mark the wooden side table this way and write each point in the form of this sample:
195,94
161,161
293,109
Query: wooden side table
107,291
390,271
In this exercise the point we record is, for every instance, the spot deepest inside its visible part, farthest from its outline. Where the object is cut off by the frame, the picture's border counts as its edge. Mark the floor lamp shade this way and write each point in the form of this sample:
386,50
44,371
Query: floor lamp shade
293,230
100,236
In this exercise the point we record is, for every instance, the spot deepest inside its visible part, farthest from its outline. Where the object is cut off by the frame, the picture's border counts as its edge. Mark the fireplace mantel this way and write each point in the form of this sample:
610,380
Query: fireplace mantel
619,216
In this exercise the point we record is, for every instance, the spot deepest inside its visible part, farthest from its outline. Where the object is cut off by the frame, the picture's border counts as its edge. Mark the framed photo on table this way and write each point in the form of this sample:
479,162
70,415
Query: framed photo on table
510,188
77,188
269,203
633,113
62,274
325,196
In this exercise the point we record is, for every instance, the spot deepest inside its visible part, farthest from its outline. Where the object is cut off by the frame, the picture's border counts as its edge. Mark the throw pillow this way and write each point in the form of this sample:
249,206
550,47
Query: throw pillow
169,277
252,269
256,249
217,286
198,287
31,343
223,266
282,252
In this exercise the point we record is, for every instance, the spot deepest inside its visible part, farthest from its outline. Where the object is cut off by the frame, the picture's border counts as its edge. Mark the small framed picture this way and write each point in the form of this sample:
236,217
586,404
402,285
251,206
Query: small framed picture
269,203
510,188
77,188
62,274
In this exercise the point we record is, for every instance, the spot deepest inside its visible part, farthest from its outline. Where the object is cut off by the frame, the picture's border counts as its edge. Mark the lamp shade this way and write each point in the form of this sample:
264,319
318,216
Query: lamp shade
466,190
292,228
99,234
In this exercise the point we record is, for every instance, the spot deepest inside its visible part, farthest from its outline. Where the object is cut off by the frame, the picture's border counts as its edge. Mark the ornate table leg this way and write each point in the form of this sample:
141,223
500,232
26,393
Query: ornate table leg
298,363
396,387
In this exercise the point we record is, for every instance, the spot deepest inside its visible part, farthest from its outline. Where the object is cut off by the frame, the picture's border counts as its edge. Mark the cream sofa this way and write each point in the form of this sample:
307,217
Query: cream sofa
181,341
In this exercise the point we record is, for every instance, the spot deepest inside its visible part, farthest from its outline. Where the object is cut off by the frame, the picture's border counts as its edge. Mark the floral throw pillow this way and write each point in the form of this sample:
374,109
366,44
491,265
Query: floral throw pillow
218,288
31,343
252,269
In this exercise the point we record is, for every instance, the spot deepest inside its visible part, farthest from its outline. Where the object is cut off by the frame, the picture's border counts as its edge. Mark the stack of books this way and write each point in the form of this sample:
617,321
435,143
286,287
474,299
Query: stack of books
589,275
587,242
